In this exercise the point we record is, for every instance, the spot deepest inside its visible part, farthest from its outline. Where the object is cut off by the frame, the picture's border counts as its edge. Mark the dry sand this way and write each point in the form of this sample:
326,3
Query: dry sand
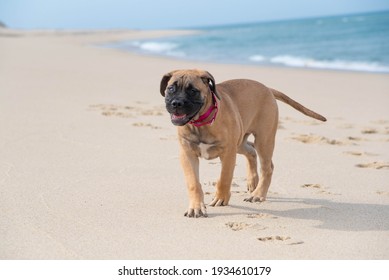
89,160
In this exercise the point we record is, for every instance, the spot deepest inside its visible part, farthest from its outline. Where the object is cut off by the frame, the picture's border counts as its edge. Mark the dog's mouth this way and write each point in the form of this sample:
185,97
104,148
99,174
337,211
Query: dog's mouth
182,115
180,119
176,117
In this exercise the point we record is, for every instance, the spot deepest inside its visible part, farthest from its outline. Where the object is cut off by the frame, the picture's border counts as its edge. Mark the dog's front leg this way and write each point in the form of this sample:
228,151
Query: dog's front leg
190,165
223,186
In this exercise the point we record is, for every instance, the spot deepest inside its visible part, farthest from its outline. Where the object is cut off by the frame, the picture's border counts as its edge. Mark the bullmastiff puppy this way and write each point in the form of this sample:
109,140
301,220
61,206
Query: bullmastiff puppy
215,120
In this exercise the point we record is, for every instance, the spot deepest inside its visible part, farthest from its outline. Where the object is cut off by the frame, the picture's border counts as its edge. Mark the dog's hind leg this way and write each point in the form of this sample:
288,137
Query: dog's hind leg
265,152
247,149
264,144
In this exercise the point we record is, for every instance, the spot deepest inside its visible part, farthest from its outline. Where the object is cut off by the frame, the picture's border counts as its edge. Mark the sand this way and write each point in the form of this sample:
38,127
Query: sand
89,160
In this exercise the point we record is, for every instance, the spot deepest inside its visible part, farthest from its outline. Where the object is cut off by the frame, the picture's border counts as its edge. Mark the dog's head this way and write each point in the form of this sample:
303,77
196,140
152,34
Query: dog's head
186,92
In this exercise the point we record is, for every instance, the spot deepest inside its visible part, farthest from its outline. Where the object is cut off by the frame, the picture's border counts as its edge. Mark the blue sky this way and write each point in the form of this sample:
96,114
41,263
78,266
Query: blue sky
162,14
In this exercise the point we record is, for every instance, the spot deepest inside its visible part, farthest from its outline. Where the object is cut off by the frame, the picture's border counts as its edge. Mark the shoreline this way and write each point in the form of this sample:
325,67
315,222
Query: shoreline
260,66
249,64
89,164
319,55
114,36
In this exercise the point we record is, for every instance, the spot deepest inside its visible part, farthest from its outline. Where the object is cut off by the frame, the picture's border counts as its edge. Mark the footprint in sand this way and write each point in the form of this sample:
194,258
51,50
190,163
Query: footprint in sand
141,124
315,186
237,226
383,127
369,131
327,192
321,190
353,153
261,216
356,139
109,110
316,139
356,153
273,238
375,165
296,243
278,238
382,193
210,184
156,111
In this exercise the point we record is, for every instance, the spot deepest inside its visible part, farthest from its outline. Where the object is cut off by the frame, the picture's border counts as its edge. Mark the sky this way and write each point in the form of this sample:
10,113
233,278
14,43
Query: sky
167,14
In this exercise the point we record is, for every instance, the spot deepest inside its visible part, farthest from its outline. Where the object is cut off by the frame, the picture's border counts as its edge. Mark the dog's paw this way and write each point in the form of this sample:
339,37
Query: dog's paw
196,213
217,202
252,183
220,200
255,199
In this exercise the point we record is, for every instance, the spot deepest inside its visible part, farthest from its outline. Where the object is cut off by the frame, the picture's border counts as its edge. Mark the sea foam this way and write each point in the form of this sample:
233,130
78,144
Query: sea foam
161,48
335,64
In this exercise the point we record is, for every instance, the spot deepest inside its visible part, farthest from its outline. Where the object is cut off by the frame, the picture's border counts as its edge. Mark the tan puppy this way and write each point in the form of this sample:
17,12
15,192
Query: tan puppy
215,121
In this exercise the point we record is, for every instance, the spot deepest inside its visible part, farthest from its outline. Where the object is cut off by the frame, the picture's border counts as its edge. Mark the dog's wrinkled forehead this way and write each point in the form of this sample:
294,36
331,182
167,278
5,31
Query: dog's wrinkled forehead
186,80
199,80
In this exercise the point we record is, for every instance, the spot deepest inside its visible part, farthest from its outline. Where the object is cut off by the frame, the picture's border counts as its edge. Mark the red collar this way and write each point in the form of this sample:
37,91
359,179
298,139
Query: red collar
201,120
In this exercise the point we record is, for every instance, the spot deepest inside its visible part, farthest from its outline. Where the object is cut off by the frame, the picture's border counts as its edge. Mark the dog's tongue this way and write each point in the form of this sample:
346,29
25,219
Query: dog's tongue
178,117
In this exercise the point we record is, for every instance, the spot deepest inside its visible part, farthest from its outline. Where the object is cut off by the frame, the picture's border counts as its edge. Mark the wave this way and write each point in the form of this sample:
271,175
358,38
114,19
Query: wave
257,58
177,50
304,62
164,48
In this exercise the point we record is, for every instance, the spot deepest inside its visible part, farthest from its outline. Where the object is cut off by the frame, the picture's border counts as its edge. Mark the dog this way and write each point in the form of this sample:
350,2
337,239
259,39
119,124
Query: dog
215,120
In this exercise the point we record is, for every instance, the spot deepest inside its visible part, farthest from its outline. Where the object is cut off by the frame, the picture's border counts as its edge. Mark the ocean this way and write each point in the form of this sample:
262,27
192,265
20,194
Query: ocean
349,42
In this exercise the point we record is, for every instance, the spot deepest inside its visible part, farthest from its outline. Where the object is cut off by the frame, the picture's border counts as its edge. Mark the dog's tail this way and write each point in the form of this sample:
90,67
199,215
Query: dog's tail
286,99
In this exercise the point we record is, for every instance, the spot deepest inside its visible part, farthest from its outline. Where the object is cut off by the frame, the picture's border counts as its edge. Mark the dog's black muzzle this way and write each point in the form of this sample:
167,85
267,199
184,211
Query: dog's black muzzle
182,110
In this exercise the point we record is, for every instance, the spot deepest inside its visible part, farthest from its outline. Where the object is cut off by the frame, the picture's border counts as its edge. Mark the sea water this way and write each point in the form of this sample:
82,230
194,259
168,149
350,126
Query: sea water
349,42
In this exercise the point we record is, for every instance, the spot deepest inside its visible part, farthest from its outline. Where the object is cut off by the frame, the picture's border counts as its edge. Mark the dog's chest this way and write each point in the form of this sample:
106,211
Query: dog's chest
206,151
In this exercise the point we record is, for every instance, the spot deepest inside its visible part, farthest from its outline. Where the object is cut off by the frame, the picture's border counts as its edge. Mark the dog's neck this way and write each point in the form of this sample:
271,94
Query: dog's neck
205,118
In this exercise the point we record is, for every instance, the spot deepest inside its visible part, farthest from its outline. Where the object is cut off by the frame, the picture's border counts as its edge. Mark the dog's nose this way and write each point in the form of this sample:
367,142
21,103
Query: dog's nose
177,103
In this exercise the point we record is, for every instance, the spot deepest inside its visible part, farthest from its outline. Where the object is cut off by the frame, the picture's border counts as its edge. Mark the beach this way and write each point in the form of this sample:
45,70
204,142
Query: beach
89,164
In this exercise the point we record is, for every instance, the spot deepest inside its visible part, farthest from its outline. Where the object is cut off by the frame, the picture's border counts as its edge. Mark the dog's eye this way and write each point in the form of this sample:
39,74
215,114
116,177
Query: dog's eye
193,91
171,89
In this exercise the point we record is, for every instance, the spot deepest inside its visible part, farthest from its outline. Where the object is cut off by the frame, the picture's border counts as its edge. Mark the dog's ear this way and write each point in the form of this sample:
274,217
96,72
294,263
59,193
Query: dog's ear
164,81
210,81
